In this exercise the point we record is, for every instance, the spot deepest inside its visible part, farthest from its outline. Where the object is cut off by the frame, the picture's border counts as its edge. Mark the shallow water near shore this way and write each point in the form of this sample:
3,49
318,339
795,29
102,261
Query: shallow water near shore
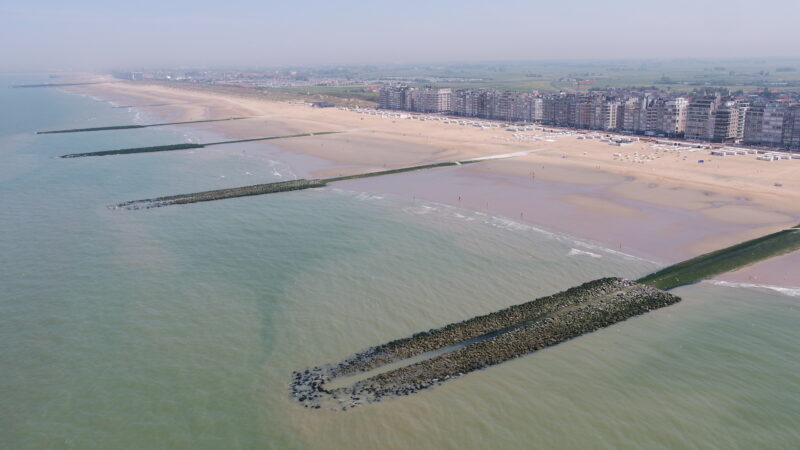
179,327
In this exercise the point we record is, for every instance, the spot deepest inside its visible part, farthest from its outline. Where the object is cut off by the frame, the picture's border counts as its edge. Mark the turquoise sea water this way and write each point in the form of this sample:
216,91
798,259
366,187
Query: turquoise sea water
179,327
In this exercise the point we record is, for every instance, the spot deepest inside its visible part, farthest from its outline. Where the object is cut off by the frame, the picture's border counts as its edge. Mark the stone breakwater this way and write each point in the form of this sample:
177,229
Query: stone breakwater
257,189
185,145
40,85
130,127
127,151
207,196
489,339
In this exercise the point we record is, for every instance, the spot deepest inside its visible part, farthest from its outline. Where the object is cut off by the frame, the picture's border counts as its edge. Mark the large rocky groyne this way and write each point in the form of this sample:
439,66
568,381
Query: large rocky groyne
486,340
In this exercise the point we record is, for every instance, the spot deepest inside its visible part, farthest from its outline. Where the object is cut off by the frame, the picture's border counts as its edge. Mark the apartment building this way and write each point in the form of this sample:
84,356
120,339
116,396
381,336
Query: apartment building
392,97
673,116
709,118
608,115
700,115
433,100
634,114
726,122
465,103
791,128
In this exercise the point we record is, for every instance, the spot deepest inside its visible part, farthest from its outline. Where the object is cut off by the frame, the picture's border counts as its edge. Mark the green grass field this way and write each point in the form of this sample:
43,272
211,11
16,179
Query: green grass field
552,76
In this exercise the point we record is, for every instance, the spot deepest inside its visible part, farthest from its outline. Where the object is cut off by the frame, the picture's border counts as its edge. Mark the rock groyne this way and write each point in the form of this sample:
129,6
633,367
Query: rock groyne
133,127
256,189
488,340
125,151
184,146
41,85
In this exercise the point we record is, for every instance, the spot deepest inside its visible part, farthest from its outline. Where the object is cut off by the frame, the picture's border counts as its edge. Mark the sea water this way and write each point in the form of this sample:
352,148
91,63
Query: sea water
179,327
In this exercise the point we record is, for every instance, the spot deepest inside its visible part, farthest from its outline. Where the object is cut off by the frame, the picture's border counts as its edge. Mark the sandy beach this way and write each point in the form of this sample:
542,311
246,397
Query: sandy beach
644,199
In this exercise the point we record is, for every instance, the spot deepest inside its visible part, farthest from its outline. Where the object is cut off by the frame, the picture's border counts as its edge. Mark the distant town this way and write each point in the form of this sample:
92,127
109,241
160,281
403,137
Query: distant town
697,102
758,118
286,78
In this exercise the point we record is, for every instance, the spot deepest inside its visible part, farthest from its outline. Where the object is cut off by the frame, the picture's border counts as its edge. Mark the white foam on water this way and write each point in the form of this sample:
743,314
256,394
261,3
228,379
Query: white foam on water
284,172
505,223
789,291
358,195
610,251
502,156
364,196
420,210
508,224
576,252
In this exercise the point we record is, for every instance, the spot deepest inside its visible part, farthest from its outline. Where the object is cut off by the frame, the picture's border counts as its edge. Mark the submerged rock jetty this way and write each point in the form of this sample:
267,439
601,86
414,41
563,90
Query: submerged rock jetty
125,151
256,189
40,85
129,127
477,343
185,146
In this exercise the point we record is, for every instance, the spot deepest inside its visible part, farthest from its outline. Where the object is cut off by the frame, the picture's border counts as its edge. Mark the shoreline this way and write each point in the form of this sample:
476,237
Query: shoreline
665,209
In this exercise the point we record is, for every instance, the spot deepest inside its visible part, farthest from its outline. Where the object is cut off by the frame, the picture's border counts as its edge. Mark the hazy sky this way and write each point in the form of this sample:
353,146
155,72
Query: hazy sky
97,34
